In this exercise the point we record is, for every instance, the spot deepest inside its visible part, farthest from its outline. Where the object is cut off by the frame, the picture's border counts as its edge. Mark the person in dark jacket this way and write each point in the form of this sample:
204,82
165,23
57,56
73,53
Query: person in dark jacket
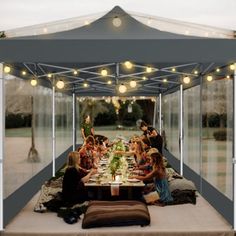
73,189
152,135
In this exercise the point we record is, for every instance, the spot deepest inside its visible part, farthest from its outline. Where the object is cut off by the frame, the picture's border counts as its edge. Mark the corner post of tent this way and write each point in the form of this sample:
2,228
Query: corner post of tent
154,113
74,119
2,137
234,145
160,114
53,129
181,128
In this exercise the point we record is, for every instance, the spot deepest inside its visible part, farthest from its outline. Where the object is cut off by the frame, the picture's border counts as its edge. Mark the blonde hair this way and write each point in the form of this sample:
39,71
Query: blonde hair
72,160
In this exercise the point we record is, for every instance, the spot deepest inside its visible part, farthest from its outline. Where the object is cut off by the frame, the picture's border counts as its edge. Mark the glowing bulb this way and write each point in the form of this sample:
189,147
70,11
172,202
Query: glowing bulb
85,84
116,21
133,83
144,78
173,69
209,78
75,72
7,69
128,64
195,72
122,88
186,80
104,72
23,72
34,82
218,70
86,23
165,80
45,30
148,69
228,77
60,84
232,67
109,82
49,75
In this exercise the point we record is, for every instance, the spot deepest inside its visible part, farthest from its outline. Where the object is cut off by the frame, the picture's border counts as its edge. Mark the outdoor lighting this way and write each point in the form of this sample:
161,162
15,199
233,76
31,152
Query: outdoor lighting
186,79
122,88
148,69
195,72
218,70
104,72
60,84
128,64
165,80
173,69
23,72
133,83
7,69
85,85
144,78
109,82
116,21
49,75
34,82
228,76
75,72
232,67
86,23
209,78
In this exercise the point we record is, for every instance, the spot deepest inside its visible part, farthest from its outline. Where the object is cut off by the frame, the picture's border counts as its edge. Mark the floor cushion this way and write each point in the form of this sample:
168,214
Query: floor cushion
181,184
115,213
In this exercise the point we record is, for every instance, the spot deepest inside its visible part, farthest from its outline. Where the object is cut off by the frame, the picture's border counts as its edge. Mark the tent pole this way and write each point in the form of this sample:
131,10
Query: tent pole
154,114
53,131
74,120
181,129
2,137
160,115
234,145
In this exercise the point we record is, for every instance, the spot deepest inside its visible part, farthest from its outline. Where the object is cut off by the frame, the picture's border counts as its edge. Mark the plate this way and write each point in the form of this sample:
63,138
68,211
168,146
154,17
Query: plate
133,180
115,182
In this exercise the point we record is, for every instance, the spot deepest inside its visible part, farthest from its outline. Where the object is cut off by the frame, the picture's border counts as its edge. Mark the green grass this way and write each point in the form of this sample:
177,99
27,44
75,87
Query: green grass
18,132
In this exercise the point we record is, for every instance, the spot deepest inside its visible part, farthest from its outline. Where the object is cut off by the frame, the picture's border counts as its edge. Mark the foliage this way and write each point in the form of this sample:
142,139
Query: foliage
17,121
127,118
220,135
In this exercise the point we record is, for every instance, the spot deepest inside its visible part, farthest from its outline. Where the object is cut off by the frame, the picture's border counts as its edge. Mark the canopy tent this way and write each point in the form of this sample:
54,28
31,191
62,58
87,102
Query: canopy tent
76,75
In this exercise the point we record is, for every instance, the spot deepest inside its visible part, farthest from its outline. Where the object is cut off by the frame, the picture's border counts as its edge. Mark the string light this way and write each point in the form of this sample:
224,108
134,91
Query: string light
218,70
144,78
195,72
109,82
85,84
148,69
173,69
7,69
104,72
86,23
34,82
165,80
116,21
75,72
228,76
186,79
209,78
23,72
122,88
49,75
60,84
133,83
128,64
232,67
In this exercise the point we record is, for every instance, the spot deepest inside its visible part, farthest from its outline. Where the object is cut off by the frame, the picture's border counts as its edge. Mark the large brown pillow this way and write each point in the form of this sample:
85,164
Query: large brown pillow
115,213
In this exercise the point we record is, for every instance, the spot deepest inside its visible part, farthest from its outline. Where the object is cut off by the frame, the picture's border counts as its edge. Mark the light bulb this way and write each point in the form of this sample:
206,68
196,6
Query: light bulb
7,69
218,70
104,72
186,80
49,75
34,82
209,78
116,21
144,78
173,69
232,67
85,84
195,72
60,84
23,72
148,69
165,80
109,82
128,64
228,77
133,83
122,88
75,72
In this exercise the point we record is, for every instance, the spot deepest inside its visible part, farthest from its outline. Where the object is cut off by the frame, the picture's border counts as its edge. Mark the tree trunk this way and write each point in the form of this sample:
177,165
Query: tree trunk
33,155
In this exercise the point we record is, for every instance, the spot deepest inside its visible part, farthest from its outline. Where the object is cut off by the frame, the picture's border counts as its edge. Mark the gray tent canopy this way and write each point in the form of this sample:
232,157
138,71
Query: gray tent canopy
100,45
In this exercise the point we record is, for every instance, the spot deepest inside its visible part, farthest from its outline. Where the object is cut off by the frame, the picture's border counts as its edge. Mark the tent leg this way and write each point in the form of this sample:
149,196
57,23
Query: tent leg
154,114
234,146
181,129
160,114
74,121
2,137
53,132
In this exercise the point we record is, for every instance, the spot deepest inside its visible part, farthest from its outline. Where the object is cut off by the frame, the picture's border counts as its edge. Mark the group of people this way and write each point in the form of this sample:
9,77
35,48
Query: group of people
83,163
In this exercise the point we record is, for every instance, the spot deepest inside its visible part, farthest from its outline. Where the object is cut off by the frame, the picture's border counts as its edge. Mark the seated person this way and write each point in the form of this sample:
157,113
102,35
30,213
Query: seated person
158,175
73,190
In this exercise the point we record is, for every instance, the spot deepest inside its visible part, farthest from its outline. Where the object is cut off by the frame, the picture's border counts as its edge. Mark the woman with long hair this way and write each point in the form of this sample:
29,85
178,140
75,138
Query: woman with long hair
158,174
73,190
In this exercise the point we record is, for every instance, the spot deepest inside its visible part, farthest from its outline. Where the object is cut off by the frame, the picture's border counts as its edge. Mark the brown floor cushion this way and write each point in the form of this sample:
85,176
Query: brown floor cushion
115,213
